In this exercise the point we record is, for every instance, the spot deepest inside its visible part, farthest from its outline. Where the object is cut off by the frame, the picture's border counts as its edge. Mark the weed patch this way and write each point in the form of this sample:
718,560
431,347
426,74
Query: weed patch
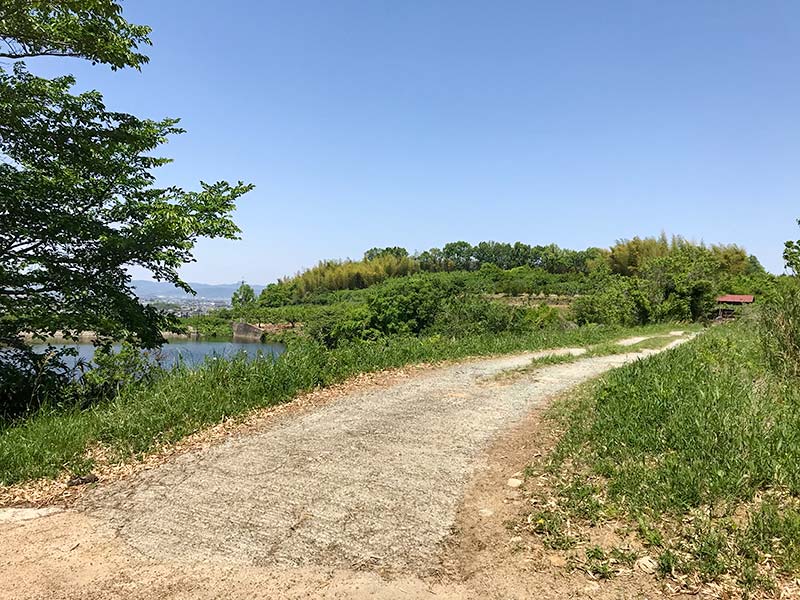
697,448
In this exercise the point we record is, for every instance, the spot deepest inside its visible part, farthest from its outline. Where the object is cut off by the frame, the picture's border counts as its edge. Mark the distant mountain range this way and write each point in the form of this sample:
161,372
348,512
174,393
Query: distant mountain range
148,290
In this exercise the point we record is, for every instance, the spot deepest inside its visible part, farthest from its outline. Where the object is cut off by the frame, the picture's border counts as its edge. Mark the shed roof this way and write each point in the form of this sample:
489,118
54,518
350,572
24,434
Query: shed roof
736,299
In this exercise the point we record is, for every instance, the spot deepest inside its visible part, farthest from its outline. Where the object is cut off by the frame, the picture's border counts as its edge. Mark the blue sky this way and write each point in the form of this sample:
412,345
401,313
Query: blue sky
415,123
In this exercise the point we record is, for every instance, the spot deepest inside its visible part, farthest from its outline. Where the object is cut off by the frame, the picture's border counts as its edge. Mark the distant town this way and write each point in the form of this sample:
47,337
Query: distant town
167,297
188,307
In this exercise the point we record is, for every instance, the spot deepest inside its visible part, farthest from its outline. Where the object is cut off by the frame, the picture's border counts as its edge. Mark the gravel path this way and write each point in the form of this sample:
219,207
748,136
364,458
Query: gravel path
371,480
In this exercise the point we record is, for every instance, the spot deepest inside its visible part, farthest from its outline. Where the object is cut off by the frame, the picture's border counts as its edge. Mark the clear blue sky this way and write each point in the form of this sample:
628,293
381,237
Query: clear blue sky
416,123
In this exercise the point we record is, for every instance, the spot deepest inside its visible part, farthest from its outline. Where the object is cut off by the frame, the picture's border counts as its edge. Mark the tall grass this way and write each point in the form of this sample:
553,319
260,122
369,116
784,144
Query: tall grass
145,416
780,330
708,431
700,424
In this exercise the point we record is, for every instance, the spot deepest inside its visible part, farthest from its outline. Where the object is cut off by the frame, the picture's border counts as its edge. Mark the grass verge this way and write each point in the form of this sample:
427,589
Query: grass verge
656,338
695,454
181,402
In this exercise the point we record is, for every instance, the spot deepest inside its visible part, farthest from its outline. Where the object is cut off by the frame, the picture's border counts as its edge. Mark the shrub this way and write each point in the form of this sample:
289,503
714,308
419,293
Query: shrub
473,315
622,301
441,304
30,380
403,306
112,371
779,329
55,379
406,306
334,325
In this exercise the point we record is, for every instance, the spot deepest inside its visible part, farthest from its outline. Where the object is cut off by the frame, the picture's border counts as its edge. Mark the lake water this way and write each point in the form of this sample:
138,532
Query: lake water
191,352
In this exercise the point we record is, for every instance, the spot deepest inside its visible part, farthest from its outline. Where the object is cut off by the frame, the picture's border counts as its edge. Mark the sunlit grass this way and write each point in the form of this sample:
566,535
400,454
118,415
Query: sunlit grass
183,401
700,448
657,336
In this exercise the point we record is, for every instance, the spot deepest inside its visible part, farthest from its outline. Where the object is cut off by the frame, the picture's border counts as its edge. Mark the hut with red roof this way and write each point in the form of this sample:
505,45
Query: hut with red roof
729,302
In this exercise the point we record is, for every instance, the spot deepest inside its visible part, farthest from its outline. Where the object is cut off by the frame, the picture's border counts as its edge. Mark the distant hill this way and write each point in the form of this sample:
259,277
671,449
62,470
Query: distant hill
148,290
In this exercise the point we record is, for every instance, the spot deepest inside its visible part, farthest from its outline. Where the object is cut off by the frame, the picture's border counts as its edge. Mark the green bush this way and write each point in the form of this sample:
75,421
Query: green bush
403,306
406,306
423,304
214,325
54,379
340,323
31,380
470,315
113,371
779,322
621,301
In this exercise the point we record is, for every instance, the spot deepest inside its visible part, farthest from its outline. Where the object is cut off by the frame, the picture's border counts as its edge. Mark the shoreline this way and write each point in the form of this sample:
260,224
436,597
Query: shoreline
90,336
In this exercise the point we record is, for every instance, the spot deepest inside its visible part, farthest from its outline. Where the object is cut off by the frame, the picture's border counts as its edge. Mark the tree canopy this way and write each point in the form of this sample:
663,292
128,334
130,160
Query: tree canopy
90,29
791,255
79,203
243,296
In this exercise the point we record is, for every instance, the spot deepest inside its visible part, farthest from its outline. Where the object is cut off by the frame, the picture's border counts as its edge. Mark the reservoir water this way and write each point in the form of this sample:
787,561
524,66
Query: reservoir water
191,352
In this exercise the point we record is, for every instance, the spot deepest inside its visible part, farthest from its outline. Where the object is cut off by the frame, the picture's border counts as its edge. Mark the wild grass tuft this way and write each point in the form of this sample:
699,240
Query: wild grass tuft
699,447
779,325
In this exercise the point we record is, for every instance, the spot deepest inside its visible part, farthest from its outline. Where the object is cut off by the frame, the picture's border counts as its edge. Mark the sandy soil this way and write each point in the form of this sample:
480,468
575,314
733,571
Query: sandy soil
395,491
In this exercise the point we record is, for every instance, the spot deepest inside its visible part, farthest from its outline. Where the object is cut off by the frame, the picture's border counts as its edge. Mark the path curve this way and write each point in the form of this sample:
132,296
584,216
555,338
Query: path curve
369,482
373,478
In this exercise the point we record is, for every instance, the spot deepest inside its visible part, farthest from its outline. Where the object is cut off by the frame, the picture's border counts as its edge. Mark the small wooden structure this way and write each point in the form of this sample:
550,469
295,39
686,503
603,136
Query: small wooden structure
727,304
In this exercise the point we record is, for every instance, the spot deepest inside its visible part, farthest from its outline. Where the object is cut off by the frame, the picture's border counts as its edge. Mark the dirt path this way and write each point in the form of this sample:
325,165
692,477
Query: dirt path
355,499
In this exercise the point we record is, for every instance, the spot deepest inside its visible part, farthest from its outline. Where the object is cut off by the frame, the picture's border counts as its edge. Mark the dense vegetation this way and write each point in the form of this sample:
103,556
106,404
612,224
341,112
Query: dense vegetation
635,282
79,203
697,449
513,268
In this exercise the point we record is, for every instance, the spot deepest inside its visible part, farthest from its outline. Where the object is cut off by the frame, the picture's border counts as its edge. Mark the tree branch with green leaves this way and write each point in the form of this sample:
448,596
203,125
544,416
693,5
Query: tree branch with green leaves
79,202
80,205
90,29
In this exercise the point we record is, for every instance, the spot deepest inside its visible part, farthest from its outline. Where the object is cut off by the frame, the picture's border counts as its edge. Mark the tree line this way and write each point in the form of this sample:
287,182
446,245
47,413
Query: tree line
532,262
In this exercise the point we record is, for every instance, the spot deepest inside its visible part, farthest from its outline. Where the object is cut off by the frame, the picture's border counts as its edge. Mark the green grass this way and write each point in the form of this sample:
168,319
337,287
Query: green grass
659,339
209,326
654,343
699,448
181,402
